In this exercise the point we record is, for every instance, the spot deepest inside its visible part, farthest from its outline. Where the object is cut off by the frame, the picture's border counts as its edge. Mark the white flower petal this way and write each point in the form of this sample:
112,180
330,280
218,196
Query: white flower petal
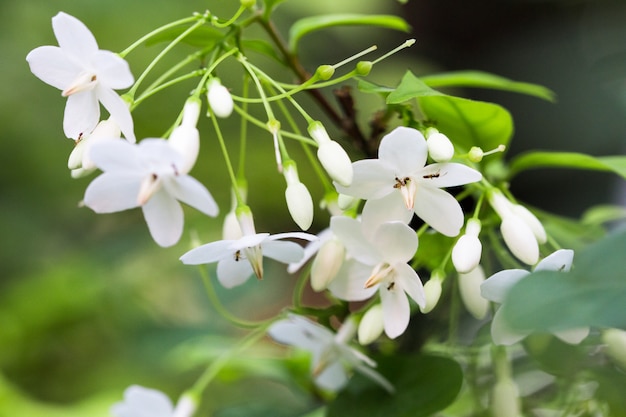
113,71
496,287
118,156
118,109
560,260
448,175
439,210
300,332
112,192
143,402
82,114
573,336
396,310
51,65
311,249
407,279
349,232
395,242
405,149
285,252
349,284
232,272
208,253
501,333
164,217
371,179
386,209
191,192
333,377
73,36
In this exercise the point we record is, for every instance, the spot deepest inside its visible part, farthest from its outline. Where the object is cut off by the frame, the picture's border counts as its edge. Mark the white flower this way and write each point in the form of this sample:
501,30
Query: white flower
219,99
299,201
185,138
467,251
399,175
332,156
86,75
332,358
380,263
238,259
149,175
80,161
146,402
440,148
521,230
496,288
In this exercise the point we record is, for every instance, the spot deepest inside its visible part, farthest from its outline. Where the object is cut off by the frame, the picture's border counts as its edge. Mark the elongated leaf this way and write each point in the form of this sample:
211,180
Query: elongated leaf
603,214
466,122
486,80
310,24
593,293
616,164
270,5
424,385
202,37
370,87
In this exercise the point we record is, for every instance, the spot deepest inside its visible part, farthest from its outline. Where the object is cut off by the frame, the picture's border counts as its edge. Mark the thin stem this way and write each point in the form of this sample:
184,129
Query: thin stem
229,22
163,86
263,126
243,131
229,166
156,32
298,291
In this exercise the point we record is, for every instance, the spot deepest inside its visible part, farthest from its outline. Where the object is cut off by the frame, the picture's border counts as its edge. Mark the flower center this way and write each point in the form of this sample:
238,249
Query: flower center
381,272
407,188
150,185
84,82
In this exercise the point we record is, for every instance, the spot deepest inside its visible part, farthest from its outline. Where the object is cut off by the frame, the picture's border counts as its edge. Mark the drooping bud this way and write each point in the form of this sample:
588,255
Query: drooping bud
186,406
332,156
220,100
432,291
469,287
371,325
505,399
327,263
80,158
468,249
615,341
185,138
532,221
299,201
440,148
231,229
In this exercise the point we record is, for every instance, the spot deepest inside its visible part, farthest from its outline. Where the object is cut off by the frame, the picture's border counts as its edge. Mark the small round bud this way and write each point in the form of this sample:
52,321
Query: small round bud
363,68
220,100
247,3
440,148
468,249
475,154
371,325
325,72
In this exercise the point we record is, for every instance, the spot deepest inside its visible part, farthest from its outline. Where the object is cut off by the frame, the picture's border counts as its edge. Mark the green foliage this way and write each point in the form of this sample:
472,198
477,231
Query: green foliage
424,385
310,24
202,37
467,122
531,160
591,294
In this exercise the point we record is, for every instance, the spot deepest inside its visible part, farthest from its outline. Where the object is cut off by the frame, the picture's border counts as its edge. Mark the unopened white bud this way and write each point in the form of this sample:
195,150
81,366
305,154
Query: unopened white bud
231,229
432,294
186,140
186,406
345,201
191,111
468,249
332,156
520,239
327,263
440,148
469,287
532,221
505,399
246,220
80,155
371,325
299,201
615,340
219,98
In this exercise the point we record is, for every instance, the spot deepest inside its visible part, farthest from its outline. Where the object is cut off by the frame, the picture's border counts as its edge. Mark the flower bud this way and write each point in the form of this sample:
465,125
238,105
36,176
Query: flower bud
345,201
186,406
247,3
440,148
336,162
191,111
469,287
532,221
80,160
327,263
505,399
325,72
220,100
520,239
371,325
186,140
363,68
299,201
475,154
468,249
615,340
432,293
246,220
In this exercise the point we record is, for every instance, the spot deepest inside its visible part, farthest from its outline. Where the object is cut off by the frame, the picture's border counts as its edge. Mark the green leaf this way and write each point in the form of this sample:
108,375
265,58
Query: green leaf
310,24
270,5
591,294
370,87
529,160
603,214
202,37
262,47
466,122
424,385
486,80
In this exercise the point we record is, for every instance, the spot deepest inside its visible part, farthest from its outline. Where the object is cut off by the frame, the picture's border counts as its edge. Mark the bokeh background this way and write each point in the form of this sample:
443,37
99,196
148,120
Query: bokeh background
89,304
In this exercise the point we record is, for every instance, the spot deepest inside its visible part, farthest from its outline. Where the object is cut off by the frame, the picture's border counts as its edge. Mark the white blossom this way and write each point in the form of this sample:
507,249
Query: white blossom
86,75
80,162
146,402
496,287
332,358
400,175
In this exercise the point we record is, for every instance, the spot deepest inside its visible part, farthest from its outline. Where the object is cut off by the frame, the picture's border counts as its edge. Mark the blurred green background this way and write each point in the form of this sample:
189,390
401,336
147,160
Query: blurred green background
89,304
